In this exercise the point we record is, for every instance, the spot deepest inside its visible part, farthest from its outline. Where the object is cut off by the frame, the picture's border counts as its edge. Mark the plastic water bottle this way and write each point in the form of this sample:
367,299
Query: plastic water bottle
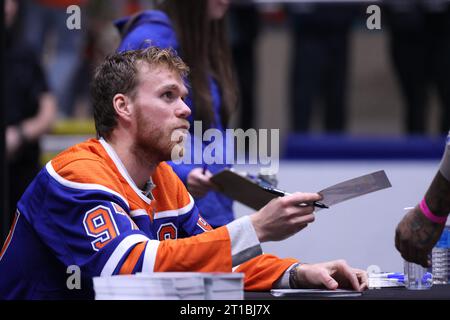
440,257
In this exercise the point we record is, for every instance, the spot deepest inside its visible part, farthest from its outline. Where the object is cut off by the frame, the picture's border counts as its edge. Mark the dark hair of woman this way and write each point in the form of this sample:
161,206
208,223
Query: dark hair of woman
204,47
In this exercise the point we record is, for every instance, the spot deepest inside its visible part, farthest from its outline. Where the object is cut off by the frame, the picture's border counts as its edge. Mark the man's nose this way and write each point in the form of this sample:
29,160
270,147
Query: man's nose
183,111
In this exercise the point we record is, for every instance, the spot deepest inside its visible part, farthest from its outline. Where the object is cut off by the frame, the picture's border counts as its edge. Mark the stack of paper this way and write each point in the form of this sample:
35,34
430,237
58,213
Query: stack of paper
224,286
170,286
157,286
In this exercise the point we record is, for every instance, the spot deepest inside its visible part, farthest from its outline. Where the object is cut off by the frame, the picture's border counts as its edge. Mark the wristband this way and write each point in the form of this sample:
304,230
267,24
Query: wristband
293,280
430,216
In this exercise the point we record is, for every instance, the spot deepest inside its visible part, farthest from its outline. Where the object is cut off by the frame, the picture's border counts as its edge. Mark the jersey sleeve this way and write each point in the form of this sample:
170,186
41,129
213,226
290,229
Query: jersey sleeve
82,225
263,271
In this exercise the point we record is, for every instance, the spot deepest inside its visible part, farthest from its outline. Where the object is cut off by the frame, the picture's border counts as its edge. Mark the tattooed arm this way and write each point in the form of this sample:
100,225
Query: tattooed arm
416,235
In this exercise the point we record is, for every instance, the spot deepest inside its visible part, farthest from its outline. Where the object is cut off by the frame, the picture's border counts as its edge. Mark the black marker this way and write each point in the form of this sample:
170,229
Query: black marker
281,193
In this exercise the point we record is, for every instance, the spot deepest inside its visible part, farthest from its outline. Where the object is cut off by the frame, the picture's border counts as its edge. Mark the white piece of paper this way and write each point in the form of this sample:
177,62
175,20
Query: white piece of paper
314,292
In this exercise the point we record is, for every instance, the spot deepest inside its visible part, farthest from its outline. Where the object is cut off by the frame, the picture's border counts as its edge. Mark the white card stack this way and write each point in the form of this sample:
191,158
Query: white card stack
157,286
170,286
224,286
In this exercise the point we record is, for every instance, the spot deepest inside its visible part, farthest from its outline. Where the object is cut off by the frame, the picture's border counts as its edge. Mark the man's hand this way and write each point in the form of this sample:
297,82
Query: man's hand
416,236
331,275
198,184
283,217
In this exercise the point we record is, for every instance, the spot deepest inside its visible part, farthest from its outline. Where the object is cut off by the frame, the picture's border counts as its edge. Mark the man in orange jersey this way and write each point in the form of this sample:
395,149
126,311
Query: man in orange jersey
113,206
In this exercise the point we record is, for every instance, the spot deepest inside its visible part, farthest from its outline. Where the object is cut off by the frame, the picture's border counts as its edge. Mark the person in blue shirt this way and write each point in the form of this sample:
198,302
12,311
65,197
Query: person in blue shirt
196,30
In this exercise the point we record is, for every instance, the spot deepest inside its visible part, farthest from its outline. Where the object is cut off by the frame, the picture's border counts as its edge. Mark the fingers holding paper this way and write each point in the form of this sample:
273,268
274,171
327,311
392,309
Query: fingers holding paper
283,217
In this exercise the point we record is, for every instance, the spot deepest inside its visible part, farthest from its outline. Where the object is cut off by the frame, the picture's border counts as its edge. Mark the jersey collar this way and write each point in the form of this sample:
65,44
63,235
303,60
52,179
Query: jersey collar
123,171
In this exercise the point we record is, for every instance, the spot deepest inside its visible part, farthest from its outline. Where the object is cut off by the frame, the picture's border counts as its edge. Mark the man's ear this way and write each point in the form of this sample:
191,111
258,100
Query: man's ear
123,106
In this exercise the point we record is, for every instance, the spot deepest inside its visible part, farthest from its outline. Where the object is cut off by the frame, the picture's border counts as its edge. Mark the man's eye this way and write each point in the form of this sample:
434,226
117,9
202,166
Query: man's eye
168,95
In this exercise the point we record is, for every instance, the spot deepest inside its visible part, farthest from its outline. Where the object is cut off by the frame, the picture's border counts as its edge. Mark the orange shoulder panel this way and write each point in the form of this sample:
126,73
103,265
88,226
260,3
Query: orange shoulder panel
170,192
84,163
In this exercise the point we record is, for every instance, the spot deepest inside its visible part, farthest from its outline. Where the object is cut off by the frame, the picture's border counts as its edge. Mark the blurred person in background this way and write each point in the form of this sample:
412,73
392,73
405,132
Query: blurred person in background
58,46
196,30
244,29
30,106
420,51
319,63
422,226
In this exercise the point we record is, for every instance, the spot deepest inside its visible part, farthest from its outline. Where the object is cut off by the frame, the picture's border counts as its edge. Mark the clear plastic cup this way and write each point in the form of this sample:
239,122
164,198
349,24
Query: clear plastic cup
417,277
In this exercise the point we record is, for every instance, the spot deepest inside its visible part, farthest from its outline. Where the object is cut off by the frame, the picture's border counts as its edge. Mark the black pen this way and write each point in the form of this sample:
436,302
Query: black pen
281,193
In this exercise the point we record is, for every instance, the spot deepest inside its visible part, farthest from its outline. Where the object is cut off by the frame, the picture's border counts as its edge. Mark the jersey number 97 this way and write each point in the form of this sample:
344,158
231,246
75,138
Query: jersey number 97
99,223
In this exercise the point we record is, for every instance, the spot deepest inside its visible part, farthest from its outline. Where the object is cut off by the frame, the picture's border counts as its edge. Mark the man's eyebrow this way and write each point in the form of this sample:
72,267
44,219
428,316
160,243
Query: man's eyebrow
181,89
170,87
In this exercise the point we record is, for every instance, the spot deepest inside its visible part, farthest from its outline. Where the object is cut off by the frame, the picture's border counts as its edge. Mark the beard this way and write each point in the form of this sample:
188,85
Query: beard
154,143
150,141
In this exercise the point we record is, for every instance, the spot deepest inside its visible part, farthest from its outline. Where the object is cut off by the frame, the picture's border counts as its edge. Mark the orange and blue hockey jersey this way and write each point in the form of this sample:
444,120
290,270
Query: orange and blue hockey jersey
83,209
